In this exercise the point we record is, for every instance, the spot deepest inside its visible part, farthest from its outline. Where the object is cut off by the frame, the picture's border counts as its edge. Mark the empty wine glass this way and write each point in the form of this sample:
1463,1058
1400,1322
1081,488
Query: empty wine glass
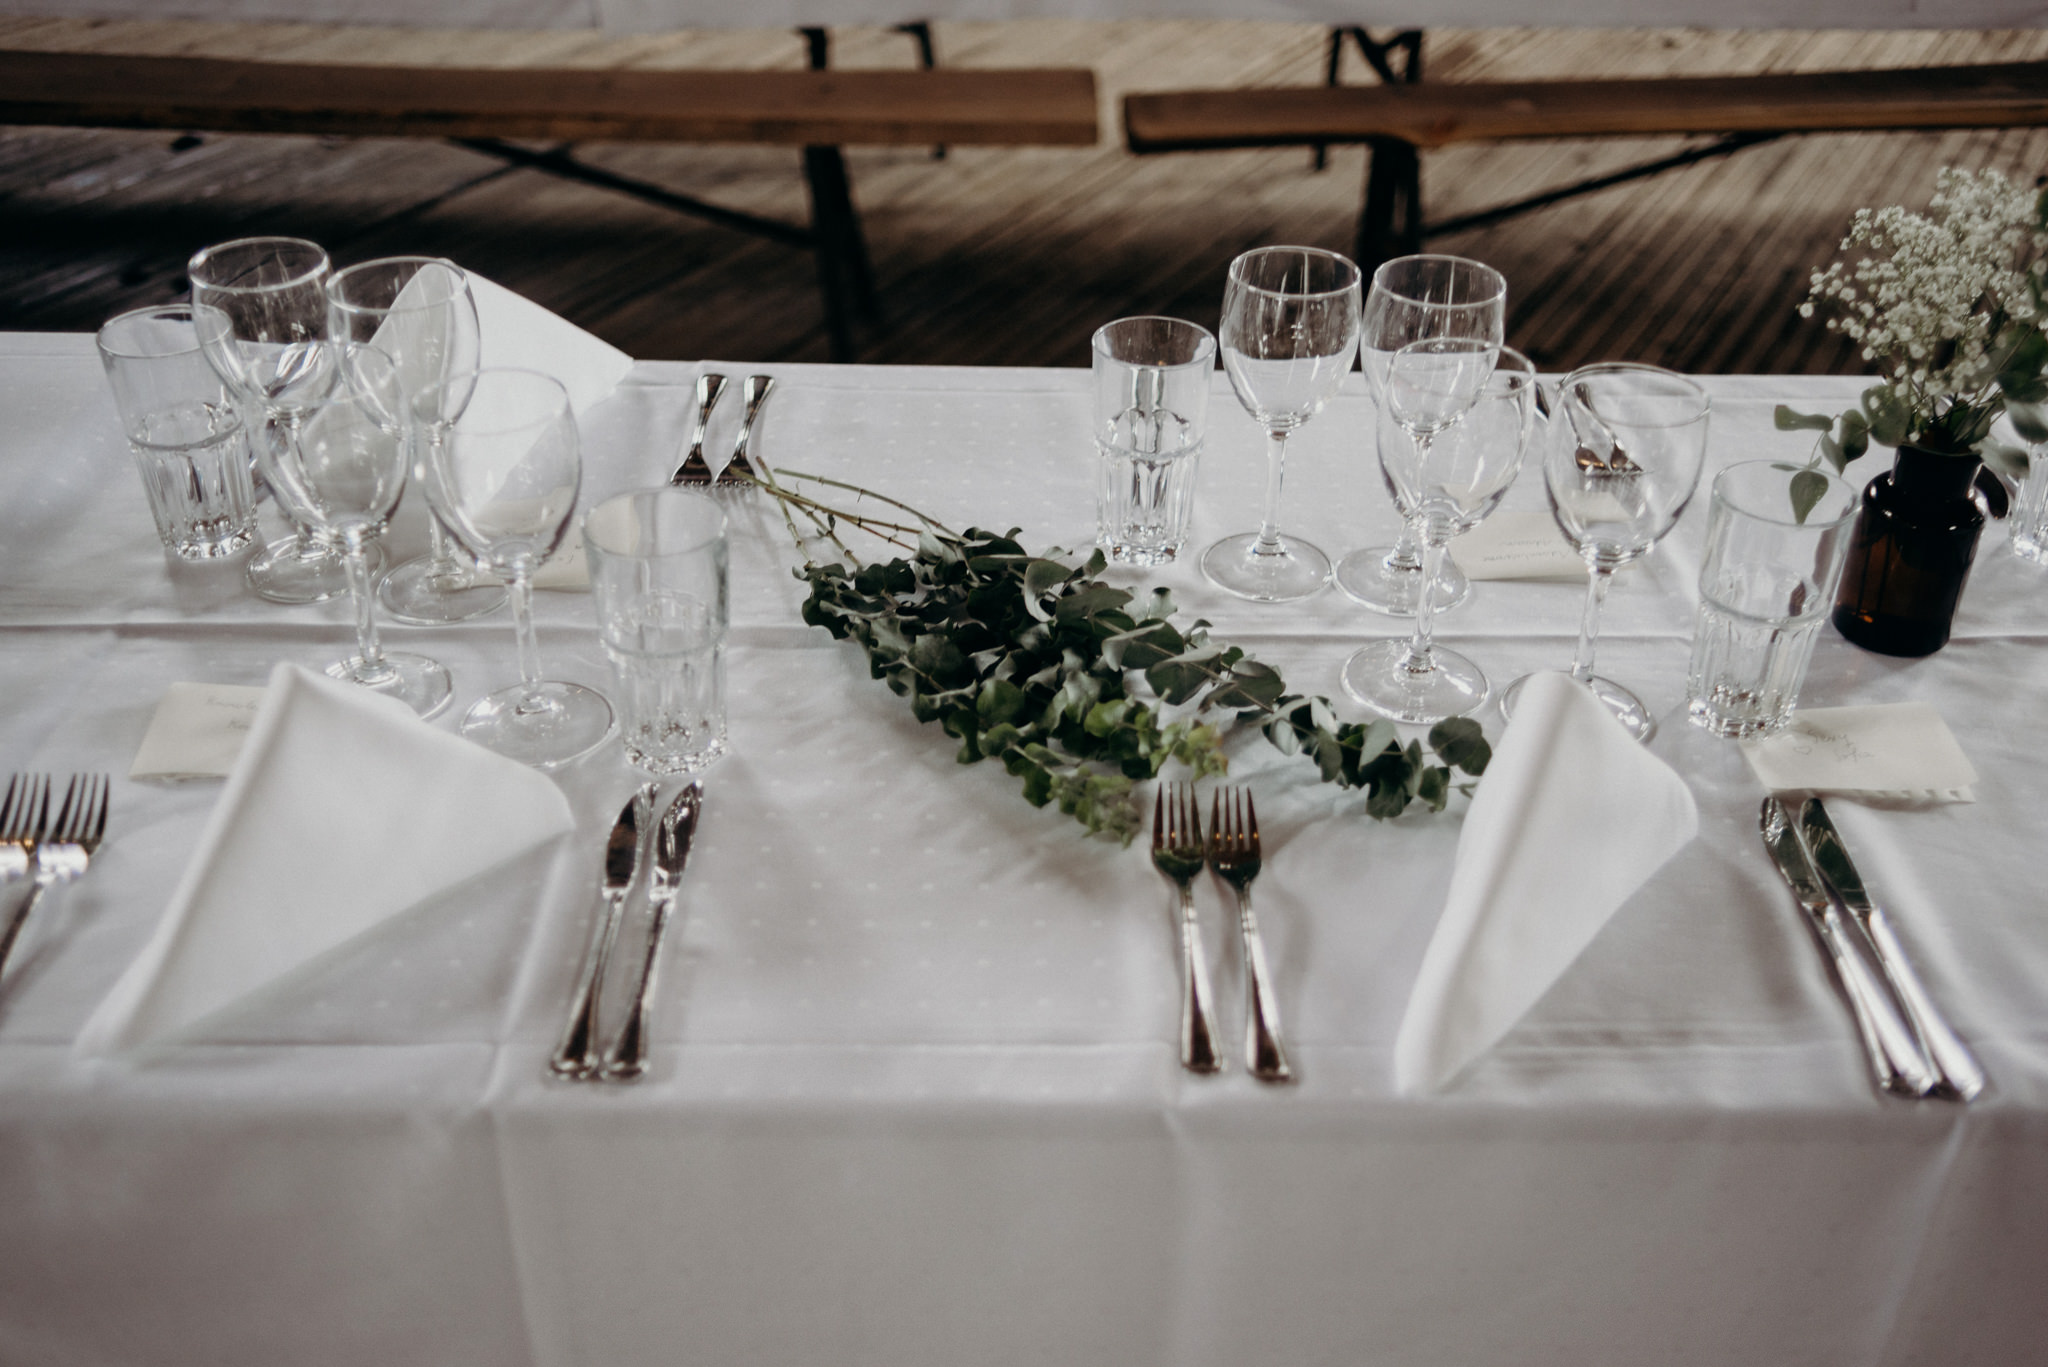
337,463
1450,445
1290,326
1619,470
260,307
418,310
503,478
1413,299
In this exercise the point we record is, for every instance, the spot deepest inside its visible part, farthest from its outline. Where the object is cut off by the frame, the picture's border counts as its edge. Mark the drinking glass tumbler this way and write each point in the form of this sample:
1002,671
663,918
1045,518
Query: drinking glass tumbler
1777,536
1151,409
182,426
658,573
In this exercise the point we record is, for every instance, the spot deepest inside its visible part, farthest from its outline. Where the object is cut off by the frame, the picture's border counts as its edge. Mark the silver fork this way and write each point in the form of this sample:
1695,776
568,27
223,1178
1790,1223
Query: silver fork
738,473
23,813
694,473
64,846
1234,854
1177,853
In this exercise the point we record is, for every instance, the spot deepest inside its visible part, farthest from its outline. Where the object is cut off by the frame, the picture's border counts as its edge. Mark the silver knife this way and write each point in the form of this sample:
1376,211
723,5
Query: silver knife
576,1056
627,1059
739,471
1895,1058
1961,1077
693,472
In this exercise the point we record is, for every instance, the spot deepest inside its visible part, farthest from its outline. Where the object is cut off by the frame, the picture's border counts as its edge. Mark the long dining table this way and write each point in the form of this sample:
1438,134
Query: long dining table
916,1096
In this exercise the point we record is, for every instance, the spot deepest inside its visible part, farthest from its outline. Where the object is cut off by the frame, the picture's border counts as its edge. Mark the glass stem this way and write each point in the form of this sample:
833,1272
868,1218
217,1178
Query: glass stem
370,654
520,591
1589,625
441,562
1417,660
1276,466
1406,557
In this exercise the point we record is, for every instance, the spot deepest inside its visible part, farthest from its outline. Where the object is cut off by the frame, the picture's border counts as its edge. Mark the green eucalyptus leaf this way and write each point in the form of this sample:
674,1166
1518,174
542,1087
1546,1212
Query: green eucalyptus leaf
1854,435
2007,459
2029,419
1807,488
1891,421
1790,420
1461,741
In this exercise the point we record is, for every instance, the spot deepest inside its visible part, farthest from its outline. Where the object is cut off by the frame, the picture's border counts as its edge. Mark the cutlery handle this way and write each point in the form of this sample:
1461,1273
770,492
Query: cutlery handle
1957,1065
1197,1039
1895,1057
576,1055
1264,1053
756,395
709,387
627,1060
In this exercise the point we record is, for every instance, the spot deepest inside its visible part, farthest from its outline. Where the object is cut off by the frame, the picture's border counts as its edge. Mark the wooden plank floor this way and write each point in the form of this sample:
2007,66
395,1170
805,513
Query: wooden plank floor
998,256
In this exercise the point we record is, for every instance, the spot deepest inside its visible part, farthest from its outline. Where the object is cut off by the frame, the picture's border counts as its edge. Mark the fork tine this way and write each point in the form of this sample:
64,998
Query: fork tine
1251,822
61,828
1194,811
40,828
98,825
7,807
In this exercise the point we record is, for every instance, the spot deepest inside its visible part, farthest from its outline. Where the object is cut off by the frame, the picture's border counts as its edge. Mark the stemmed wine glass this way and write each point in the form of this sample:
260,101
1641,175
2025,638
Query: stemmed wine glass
418,310
503,479
1290,325
1413,299
337,464
1619,470
260,307
1451,439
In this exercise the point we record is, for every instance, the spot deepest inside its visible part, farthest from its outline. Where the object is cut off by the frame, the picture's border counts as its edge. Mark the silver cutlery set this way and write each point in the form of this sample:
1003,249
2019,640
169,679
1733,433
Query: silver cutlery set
738,473
662,845
1911,1049
1232,852
48,848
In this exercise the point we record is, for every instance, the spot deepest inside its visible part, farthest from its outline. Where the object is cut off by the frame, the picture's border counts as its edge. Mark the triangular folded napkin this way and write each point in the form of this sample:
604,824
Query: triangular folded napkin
521,334
1572,817
343,809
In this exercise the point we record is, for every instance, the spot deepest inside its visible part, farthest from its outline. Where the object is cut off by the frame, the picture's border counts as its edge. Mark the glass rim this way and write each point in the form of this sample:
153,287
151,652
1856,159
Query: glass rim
1717,495
1237,279
1205,345
322,265
1685,384
1499,296
477,376
148,310
692,498
334,281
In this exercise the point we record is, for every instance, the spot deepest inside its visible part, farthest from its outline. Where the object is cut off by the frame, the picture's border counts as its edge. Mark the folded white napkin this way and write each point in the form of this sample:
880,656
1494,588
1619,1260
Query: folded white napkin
1571,818
342,810
521,334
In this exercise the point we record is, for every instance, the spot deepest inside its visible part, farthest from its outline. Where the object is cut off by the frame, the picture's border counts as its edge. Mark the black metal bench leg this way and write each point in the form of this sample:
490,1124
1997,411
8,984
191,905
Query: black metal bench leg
845,277
1379,56
1390,222
920,32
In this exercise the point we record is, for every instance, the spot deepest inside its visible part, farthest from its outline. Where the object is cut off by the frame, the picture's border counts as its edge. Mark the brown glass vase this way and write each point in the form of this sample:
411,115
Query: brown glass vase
1916,536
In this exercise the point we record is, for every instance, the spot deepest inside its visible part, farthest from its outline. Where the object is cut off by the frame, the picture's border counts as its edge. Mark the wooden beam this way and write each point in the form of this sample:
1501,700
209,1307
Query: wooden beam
1435,115
990,106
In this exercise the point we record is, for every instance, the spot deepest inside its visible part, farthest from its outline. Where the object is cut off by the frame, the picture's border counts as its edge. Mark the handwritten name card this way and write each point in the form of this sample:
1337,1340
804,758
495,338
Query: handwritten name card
1900,751
197,731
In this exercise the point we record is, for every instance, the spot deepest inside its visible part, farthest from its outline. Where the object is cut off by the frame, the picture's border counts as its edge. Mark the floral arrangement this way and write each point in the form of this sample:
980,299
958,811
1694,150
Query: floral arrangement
1950,304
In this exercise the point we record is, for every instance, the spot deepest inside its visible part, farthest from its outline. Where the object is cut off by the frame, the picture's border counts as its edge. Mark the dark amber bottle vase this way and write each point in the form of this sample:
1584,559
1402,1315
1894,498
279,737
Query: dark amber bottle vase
1915,537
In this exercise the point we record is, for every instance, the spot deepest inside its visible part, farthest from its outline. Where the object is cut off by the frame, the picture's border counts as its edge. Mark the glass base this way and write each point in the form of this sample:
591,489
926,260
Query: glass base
291,571
418,682
1369,577
1298,570
413,593
1378,677
1627,708
545,724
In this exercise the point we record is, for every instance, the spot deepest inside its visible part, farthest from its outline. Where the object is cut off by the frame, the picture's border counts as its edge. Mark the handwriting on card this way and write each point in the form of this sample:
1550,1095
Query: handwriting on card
1897,748
197,731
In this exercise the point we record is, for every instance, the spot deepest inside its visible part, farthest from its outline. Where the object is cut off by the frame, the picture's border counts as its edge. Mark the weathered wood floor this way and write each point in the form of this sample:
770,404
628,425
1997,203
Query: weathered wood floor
995,256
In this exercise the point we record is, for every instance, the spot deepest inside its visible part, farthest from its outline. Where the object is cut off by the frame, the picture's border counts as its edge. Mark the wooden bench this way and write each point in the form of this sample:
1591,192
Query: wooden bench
1397,120
819,110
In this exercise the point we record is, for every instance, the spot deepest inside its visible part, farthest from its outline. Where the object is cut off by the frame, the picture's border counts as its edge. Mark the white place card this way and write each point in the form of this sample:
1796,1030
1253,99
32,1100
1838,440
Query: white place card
1897,751
196,731
566,569
1522,545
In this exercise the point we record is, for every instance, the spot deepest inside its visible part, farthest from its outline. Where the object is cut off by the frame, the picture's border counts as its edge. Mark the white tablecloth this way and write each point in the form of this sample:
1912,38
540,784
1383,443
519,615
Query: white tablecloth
916,1098
648,16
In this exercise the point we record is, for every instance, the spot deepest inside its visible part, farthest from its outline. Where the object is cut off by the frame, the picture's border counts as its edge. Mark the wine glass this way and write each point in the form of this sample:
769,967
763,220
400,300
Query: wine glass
418,310
1450,446
1619,471
1290,325
337,463
503,479
1414,298
260,307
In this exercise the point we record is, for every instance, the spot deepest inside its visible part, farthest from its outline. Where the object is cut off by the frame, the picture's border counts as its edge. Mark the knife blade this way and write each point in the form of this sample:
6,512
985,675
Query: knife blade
576,1056
1961,1077
627,1058
1896,1062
